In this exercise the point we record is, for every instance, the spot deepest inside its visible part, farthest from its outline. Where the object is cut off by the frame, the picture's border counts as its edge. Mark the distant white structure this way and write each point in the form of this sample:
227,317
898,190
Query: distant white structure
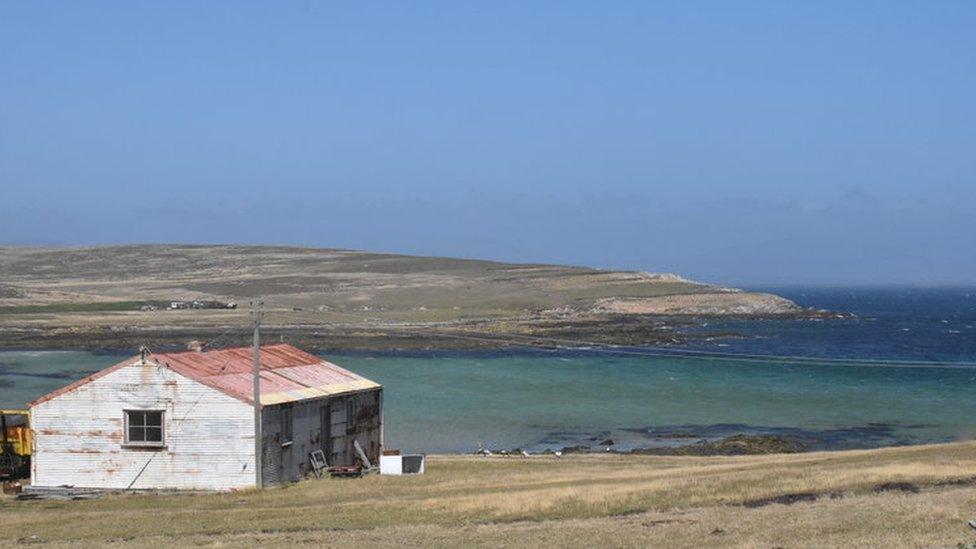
186,421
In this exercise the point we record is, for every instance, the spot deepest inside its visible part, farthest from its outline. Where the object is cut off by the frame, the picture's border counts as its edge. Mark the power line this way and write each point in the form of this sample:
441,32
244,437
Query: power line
651,351
178,423
665,352
221,337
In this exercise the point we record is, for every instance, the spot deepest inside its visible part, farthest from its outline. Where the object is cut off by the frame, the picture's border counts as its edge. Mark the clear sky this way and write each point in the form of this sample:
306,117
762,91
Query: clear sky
735,142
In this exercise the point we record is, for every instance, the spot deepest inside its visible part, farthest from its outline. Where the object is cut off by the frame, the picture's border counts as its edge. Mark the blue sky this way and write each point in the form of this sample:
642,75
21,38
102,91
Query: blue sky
736,142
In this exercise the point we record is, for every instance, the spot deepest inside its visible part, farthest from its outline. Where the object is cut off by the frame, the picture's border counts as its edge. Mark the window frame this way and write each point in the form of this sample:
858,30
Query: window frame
161,443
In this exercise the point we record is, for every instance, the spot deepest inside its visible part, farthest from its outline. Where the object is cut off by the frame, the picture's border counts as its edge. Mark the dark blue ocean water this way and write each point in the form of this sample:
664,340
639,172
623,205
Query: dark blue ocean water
453,402
925,324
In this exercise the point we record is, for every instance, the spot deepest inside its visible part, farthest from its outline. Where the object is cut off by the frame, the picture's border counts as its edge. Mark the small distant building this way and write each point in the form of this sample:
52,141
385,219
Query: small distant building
185,420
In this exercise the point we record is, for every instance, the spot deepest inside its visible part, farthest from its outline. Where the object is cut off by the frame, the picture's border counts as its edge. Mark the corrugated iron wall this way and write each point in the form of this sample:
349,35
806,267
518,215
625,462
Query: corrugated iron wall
289,462
80,435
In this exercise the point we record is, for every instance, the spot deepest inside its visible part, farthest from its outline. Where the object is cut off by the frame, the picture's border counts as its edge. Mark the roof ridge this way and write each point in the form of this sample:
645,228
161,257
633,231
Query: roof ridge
279,374
294,370
227,349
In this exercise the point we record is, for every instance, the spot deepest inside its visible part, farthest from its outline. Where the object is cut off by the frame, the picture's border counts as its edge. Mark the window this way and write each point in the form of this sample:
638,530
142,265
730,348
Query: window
144,427
286,425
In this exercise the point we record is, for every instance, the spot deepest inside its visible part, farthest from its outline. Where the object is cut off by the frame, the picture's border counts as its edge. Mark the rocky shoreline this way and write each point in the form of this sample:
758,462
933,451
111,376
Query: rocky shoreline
541,332
718,440
736,445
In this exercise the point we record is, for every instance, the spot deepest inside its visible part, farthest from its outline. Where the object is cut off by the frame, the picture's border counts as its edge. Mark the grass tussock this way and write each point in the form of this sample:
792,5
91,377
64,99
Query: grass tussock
896,496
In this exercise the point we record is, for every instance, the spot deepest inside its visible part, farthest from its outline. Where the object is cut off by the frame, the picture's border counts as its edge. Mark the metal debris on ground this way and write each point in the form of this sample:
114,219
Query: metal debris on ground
58,492
319,463
354,471
362,455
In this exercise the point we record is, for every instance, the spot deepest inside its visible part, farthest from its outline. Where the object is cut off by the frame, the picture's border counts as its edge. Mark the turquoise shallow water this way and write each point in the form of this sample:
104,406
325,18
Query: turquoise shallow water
532,401
446,402
535,400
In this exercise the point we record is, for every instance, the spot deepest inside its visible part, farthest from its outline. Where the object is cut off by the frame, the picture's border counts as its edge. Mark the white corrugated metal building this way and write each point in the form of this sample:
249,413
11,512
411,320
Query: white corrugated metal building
186,421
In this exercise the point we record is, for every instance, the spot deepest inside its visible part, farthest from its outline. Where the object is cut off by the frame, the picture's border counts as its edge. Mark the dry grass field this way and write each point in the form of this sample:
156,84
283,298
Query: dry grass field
899,497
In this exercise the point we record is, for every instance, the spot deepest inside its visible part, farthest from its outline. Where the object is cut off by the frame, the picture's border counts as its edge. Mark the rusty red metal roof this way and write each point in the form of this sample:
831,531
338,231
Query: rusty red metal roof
287,373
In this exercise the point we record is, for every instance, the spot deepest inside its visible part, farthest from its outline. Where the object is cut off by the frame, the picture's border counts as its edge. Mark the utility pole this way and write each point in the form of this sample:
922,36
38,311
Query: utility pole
256,315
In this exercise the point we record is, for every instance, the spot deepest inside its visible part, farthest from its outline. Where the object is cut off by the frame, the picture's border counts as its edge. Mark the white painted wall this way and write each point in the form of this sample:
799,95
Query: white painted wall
79,438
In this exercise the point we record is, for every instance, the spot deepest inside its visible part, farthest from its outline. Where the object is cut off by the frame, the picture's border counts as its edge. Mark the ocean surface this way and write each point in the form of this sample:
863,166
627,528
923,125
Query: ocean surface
537,399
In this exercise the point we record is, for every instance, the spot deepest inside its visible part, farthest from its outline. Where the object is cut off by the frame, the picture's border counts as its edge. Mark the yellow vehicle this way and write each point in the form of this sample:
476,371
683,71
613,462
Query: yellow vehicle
15,443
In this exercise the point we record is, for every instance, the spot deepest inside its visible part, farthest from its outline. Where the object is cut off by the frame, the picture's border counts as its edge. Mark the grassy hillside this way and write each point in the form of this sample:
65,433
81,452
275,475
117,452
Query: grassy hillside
910,496
95,294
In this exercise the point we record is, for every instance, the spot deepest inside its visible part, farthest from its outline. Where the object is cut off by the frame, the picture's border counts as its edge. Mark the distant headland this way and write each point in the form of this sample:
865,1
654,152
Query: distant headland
333,299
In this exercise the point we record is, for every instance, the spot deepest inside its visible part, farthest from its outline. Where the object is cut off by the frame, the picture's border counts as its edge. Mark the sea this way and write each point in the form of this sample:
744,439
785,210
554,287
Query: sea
901,370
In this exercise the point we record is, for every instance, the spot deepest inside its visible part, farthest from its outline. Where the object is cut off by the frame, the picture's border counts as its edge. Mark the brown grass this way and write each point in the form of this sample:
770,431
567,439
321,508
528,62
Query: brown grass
576,500
45,287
